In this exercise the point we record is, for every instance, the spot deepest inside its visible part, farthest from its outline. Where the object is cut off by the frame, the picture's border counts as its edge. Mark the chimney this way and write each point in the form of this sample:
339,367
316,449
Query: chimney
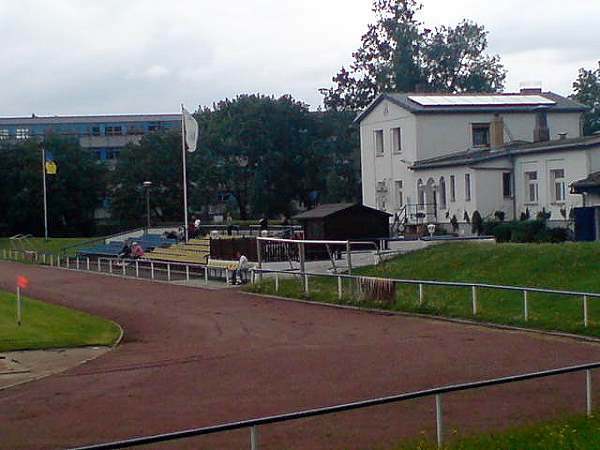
541,132
497,131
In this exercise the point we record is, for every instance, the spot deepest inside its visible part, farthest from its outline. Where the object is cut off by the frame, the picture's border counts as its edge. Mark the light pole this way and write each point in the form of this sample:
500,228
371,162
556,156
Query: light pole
147,186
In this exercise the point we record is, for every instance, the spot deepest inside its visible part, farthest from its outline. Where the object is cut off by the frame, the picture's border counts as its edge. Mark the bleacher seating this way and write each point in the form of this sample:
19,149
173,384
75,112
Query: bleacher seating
113,248
196,251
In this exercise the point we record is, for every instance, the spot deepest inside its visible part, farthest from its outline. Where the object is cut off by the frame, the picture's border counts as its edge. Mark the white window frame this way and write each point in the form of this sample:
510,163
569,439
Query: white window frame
558,188
398,195
396,138
443,194
22,133
378,151
467,187
531,187
4,134
480,125
452,188
510,185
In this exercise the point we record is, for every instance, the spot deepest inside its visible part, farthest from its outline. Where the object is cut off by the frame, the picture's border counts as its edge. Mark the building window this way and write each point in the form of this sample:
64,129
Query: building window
531,187
153,127
507,185
95,131
379,142
557,179
420,195
4,134
442,193
467,187
398,194
481,134
114,131
396,140
22,133
452,188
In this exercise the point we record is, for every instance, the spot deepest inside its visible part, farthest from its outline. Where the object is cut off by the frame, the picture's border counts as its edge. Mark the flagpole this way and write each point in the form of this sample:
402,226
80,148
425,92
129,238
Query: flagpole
185,206
45,195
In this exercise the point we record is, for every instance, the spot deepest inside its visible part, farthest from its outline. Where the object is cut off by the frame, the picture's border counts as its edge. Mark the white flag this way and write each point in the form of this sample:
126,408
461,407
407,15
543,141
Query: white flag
190,130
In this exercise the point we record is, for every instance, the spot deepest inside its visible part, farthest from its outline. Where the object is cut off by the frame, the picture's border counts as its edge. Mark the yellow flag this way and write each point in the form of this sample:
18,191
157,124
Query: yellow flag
51,168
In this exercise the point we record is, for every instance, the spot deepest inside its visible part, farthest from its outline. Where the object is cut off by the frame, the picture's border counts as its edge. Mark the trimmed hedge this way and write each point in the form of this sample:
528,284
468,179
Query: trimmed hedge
525,231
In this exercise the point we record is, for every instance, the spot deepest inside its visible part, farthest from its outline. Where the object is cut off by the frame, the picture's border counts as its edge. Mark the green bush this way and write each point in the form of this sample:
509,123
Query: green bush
524,231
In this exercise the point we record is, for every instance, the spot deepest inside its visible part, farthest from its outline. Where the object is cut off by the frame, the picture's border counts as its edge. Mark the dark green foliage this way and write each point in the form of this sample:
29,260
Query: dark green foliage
587,91
535,231
73,193
499,215
477,223
399,54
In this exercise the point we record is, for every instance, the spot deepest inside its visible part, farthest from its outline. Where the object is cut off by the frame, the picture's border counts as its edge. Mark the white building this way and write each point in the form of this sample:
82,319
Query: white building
431,157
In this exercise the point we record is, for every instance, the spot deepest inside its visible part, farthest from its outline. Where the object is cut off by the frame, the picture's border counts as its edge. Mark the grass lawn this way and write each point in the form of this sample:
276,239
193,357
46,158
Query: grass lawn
52,245
569,266
572,433
50,326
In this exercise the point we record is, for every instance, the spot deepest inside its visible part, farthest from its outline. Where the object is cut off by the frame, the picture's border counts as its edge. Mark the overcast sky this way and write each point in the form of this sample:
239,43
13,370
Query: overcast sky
118,56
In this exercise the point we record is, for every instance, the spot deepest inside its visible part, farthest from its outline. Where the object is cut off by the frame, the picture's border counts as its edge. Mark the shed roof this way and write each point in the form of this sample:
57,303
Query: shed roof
591,182
330,209
521,104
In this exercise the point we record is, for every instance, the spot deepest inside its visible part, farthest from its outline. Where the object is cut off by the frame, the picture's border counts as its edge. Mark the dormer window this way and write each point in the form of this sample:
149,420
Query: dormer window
481,134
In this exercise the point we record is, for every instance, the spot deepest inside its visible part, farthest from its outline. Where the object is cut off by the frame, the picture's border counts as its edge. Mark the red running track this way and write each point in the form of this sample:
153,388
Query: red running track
192,357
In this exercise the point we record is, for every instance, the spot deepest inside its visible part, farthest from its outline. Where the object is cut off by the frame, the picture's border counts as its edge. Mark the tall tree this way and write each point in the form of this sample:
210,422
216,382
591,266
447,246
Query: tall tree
261,145
157,158
74,192
587,91
399,54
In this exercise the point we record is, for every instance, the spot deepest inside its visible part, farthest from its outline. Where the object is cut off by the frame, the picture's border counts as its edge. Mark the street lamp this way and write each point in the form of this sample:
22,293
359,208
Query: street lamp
147,186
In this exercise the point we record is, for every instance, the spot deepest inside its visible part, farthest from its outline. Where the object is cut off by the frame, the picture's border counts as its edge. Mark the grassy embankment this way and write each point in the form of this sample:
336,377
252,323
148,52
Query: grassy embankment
52,245
50,326
572,433
570,266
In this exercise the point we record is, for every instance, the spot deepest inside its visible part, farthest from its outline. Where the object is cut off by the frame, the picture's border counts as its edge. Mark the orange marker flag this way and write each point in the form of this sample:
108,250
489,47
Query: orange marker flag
22,281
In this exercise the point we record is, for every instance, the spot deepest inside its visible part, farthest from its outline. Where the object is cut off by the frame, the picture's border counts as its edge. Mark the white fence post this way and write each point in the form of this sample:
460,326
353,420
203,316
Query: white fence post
525,306
87,263
58,260
99,265
110,266
439,420
206,276
123,267
420,293
137,268
187,272
51,259
588,392
168,272
585,311
77,262
67,262
340,293
43,258
474,298
306,291
152,270
254,438
276,282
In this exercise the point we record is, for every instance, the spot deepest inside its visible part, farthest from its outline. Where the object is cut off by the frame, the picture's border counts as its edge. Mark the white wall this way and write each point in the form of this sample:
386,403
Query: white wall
389,167
575,164
440,134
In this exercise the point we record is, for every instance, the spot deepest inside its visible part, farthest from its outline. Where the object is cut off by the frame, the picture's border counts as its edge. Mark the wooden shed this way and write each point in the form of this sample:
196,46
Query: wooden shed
344,221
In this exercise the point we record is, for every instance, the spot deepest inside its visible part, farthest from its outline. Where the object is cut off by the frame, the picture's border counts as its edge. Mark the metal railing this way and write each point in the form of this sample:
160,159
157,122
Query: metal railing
474,287
132,268
437,393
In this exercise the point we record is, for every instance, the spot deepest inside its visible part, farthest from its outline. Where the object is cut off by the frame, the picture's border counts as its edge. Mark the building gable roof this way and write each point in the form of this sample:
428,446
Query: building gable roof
403,100
471,157
329,209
